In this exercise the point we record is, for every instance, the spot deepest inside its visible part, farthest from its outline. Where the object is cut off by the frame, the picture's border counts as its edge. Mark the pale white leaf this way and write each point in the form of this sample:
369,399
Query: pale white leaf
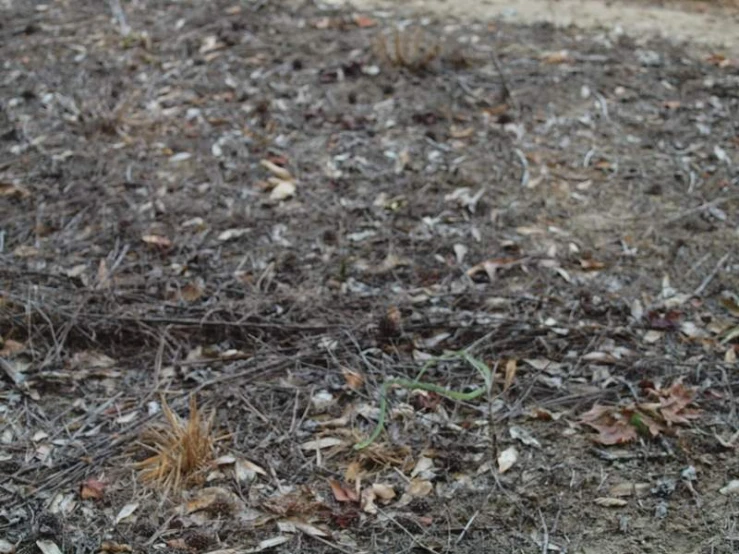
247,471
225,460
610,502
731,488
423,465
283,191
126,511
48,547
230,234
309,529
270,543
180,157
507,458
629,489
521,434
325,442
420,488
384,492
276,170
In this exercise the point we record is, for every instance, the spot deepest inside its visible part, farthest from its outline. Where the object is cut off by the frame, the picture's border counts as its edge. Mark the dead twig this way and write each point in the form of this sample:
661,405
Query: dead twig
707,281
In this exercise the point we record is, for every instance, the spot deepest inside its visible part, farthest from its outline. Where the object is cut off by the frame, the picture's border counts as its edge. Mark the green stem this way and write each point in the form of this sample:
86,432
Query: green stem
415,384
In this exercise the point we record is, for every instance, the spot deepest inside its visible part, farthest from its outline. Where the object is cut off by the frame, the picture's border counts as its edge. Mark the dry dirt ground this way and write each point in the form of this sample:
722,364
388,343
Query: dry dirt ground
712,23
275,208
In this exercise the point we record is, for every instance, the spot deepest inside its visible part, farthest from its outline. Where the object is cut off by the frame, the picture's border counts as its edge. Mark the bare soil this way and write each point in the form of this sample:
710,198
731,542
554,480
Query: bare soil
710,25
560,202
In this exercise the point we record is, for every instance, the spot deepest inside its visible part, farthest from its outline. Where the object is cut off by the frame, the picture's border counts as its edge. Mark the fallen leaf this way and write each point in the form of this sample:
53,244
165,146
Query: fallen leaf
423,465
629,489
420,488
25,251
246,471
206,498
367,501
507,458
609,502
292,525
353,472
9,190
390,263
191,292
158,241
325,442
731,488
389,325
115,547
461,133
664,321
383,492
177,544
283,191
490,268
674,402
511,368
353,379
48,547
521,434
591,265
103,275
269,543
556,58
342,493
126,512
612,426
652,336
91,359
10,348
13,369
364,22
92,489
276,170
730,301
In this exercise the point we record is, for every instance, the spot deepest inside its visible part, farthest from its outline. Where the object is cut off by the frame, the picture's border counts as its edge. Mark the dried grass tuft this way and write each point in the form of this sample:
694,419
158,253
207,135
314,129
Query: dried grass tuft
183,449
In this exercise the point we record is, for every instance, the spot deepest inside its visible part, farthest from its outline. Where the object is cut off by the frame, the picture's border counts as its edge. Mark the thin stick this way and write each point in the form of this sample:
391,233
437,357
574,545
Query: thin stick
120,16
492,431
507,91
545,540
707,281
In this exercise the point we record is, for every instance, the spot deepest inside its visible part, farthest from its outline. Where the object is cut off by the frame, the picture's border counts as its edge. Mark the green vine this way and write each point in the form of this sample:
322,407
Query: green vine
416,384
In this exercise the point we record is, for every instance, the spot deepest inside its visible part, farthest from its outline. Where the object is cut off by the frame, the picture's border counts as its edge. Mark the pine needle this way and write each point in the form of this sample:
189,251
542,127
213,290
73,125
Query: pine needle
183,450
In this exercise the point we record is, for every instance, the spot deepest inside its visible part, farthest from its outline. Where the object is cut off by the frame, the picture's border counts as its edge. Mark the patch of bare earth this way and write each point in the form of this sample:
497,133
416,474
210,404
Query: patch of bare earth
226,226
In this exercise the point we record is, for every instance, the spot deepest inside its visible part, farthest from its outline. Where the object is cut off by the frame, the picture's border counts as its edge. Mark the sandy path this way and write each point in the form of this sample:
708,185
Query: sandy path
717,30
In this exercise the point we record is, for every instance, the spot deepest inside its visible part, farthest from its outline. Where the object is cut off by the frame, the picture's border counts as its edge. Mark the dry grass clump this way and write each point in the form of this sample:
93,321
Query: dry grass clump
410,48
183,450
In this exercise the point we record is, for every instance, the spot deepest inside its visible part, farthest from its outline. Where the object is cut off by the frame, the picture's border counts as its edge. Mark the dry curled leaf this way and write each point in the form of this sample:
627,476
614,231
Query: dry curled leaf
511,368
341,492
92,489
354,380
612,427
157,241
364,22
